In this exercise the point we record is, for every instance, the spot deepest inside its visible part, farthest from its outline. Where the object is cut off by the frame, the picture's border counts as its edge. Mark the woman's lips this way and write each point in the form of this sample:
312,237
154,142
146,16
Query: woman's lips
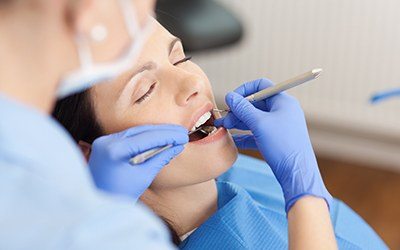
221,132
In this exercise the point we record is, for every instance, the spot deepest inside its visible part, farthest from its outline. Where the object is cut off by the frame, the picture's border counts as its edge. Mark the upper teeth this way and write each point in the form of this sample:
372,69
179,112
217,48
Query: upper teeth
202,120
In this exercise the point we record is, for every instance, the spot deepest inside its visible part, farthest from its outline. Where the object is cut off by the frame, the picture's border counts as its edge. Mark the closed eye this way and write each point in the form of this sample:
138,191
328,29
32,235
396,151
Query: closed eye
151,89
147,95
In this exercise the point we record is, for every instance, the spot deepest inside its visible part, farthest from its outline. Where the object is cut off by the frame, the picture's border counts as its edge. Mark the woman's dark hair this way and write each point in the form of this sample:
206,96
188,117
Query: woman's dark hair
77,115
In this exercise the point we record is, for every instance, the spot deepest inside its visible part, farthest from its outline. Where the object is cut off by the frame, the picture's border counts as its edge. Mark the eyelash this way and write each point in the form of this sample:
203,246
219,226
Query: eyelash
188,58
148,93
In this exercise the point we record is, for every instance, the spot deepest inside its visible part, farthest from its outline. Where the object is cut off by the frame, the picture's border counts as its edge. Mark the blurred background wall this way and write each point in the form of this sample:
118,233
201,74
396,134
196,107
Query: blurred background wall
356,42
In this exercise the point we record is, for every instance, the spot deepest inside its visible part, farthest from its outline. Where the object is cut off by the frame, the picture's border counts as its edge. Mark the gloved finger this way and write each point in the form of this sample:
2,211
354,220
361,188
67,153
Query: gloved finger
242,108
131,146
159,161
230,121
281,101
140,129
252,87
245,141
220,121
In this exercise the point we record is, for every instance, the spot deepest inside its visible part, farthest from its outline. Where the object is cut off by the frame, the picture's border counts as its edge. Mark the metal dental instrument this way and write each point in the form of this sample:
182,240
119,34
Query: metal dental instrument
261,95
276,89
140,158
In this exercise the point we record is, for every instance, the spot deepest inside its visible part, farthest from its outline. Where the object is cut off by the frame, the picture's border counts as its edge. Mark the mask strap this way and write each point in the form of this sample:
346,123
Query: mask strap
89,73
84,52
130,17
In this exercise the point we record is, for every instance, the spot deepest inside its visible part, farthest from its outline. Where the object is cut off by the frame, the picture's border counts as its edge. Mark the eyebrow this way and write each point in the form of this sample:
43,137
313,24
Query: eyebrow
151,65
128,88
147,66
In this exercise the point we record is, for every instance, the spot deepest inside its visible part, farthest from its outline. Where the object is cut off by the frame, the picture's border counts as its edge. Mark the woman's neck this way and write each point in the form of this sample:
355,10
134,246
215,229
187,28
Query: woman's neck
186,208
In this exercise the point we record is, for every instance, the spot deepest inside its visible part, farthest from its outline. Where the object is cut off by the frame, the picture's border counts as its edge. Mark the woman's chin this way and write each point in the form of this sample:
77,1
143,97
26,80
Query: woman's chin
198,163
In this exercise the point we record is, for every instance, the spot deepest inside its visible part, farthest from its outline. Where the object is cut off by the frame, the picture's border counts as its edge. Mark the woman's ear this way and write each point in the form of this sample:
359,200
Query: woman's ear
86,149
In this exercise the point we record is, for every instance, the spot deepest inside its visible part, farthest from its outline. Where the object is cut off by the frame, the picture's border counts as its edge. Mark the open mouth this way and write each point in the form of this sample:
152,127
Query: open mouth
203,128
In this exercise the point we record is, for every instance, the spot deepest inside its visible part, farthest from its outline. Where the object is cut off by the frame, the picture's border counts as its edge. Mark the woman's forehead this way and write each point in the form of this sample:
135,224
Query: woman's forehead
157,42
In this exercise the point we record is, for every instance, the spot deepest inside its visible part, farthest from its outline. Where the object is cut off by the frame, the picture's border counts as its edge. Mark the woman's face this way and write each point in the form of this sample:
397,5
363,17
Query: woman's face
167,88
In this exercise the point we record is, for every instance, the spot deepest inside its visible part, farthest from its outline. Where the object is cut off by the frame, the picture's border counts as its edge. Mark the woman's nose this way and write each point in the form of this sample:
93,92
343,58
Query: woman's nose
188,88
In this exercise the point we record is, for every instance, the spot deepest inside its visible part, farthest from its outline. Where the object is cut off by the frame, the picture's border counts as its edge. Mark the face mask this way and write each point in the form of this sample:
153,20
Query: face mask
91,73
381,96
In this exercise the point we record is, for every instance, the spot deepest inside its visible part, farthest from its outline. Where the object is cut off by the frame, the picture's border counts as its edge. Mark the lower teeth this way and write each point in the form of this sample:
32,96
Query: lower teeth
214,130
209,130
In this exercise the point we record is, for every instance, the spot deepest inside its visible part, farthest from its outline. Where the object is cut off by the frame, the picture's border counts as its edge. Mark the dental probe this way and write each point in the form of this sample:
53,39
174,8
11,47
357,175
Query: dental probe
276,89
140,158
261,95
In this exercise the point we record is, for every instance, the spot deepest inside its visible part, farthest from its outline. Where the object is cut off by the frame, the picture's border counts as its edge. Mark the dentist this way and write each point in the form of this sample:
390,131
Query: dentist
51,49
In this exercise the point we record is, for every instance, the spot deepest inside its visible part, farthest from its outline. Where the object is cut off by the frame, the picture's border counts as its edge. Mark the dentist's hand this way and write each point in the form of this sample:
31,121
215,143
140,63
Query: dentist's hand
279,132
109,159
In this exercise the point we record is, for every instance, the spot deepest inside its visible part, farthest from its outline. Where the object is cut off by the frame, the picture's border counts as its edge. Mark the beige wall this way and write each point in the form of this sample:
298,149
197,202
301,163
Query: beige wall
356,42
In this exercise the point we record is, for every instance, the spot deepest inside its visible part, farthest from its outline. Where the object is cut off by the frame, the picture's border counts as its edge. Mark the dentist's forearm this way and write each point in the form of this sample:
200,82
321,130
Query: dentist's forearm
310,226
